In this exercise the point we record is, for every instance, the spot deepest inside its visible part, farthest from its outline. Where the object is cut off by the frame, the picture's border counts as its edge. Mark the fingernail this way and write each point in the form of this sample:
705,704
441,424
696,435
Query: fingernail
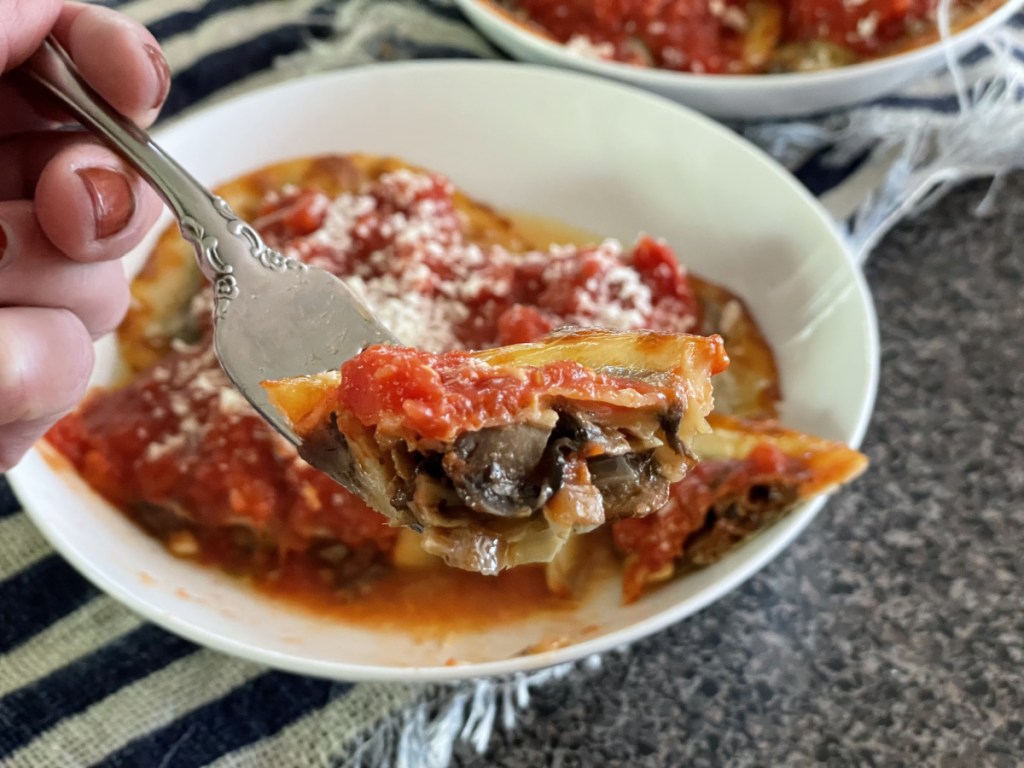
163,73
3,246
113,201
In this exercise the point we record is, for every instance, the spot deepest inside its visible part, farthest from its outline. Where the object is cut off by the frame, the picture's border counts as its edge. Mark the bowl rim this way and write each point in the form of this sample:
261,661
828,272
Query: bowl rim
726,83
357,672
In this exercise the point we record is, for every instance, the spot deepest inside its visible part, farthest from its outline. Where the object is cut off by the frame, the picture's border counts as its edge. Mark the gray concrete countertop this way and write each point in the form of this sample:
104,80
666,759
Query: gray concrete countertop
892,631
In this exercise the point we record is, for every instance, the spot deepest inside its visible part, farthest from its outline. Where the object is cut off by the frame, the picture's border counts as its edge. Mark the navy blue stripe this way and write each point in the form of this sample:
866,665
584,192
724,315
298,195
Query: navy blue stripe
9,504
975,55
213,72
186,21
169,26
253,711
946,104
447,11
982,52
34,598
819,176
29,711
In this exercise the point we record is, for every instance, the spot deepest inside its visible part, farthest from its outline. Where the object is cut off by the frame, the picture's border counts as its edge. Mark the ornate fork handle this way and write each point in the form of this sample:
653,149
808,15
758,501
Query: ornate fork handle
230,252
216,261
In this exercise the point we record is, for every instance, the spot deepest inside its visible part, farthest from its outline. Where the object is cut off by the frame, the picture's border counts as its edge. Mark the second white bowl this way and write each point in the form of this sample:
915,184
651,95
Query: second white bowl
742,97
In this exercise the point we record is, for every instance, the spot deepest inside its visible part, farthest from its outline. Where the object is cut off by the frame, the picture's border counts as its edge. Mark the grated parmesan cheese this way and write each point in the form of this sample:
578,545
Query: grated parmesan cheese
581,45
399,245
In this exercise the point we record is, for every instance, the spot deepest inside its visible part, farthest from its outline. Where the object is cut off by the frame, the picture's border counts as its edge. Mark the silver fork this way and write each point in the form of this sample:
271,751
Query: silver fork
274,317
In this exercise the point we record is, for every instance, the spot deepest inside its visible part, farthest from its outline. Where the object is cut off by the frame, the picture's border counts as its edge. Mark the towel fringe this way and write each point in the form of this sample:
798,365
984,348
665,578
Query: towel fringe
927,152
426,735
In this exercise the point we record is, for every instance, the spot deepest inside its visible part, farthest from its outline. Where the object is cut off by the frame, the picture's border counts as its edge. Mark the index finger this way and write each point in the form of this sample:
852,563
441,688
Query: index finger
23,25
118,57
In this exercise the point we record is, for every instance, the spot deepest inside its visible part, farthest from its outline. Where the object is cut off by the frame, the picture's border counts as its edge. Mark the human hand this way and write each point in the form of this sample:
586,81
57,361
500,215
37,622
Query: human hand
69,209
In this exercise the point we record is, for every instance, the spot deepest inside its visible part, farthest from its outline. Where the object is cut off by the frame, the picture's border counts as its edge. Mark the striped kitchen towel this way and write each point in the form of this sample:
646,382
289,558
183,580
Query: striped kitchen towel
85,682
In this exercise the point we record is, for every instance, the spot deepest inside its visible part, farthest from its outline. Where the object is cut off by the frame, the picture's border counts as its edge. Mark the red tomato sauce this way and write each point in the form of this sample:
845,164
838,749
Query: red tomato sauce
183,453
433,601
439,396
690,35
735,36
866,28
658,540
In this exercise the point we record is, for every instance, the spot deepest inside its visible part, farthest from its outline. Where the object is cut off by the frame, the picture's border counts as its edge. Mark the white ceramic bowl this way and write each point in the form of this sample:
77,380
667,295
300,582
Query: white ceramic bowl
594,154
741,97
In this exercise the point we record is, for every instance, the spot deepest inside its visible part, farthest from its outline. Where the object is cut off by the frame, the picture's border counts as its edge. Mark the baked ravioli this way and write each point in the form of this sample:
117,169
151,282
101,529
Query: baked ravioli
750,474
498,457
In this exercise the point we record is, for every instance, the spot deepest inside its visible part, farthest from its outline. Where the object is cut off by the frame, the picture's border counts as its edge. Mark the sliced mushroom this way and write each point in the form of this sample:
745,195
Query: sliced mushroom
630,484
579,428
498,471
669,422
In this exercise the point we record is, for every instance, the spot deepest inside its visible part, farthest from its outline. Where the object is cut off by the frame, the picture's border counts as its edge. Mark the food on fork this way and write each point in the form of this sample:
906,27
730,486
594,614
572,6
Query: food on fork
498,457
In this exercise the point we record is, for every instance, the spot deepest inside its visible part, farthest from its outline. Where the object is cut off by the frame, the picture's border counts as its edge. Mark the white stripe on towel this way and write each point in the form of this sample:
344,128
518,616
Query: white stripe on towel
326,733
136,710
231,28
83,631
21,545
